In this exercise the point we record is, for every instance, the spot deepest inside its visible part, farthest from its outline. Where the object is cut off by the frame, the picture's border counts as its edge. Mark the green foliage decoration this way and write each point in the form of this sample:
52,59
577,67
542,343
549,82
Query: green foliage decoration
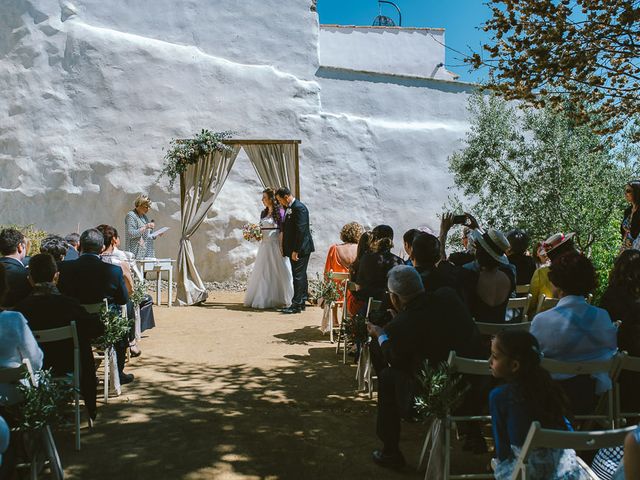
325,289
184,152
355,327
116,326
45,404
139,291
439,391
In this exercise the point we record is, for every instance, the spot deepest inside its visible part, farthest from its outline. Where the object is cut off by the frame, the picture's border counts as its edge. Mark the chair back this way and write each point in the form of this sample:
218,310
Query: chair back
15,374
523,289
373,306
57,334
95,307
545,303
520,302
539,437
495,328
339,276
469,366
581,368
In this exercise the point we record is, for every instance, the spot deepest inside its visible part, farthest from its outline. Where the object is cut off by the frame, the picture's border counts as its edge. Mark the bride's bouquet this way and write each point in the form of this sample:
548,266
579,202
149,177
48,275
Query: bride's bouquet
251,232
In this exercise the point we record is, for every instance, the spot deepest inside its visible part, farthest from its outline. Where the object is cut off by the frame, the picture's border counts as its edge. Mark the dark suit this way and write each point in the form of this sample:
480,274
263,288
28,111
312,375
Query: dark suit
17,281
51,310
89,280
297,238
428,328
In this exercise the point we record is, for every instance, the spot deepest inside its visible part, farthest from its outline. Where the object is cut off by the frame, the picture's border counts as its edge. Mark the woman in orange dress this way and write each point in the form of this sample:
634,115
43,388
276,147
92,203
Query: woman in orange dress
341,256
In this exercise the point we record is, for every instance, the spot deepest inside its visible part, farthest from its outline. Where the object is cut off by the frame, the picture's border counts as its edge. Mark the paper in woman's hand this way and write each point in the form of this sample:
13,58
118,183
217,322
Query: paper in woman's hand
159,232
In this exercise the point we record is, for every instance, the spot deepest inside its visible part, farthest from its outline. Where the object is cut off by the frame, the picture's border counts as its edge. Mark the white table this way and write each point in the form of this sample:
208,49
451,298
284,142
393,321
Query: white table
159,265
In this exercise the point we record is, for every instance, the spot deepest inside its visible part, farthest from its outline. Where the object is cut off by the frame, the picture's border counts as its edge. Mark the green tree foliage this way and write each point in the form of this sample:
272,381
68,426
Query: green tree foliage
545,50
538,170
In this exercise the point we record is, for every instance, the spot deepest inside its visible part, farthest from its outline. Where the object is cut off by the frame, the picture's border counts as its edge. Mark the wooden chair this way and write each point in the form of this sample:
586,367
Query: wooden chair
467,366
494,328
13,375
611,367
628,364
67,333
539,437
364,372
342,339
341,277
523,289
520,303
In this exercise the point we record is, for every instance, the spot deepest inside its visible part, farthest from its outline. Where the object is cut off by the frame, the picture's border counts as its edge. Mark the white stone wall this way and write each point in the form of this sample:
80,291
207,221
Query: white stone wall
404,51
92,91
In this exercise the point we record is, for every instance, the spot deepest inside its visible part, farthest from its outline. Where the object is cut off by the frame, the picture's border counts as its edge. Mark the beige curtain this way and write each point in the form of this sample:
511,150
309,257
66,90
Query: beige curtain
199,187
275,164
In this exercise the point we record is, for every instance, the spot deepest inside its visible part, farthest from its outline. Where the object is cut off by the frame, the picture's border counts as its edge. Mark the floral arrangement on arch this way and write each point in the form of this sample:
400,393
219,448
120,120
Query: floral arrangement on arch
185,152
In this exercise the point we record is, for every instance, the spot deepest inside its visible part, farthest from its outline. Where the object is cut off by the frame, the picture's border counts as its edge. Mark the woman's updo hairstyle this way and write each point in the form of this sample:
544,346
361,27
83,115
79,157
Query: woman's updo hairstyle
351,232
381,238
142,201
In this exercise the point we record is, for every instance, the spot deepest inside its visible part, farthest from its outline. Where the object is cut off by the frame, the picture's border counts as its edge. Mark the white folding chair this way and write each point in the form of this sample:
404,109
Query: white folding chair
545,303
364,372
466,366
611,367
520,303
627,364
342,278
539,437
67,333
495,328
108,359
523,289
13,375
342,338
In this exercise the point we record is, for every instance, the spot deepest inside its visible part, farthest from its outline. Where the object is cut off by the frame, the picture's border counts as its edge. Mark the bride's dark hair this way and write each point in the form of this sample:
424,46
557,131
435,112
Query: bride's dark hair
275,210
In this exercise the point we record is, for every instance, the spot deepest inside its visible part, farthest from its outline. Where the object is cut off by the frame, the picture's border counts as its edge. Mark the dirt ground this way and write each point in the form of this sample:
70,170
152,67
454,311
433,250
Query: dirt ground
225,392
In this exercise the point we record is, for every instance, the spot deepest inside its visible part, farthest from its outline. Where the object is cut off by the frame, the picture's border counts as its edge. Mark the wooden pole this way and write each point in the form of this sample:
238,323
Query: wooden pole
297,154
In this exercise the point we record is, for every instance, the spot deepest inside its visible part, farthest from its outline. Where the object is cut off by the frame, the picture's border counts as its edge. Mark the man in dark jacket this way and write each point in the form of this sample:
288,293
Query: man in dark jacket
427,327
13,247
297,244
45,308
90,280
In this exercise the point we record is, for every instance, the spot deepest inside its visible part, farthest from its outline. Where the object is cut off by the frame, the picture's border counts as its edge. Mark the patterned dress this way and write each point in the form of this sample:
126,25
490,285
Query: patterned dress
140,244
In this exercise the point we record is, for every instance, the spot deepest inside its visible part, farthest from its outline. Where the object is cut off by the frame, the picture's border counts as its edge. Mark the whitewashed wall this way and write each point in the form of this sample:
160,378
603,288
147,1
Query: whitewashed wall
92,91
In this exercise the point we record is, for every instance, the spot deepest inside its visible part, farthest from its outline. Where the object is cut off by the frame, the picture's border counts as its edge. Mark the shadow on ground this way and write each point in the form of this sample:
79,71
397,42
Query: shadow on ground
195,420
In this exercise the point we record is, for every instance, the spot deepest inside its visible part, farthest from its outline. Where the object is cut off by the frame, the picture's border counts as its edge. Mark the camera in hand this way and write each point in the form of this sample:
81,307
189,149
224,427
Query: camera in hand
459,219
380,317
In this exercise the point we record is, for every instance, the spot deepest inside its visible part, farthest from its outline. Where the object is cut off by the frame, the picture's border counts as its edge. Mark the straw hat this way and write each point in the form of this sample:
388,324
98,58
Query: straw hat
494,243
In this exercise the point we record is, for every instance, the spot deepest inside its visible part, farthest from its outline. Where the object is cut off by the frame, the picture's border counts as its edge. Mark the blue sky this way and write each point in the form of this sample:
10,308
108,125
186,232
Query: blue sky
460,18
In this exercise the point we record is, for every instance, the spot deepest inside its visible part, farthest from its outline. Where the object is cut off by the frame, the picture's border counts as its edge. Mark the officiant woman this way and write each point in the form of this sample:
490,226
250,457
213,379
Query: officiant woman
138,238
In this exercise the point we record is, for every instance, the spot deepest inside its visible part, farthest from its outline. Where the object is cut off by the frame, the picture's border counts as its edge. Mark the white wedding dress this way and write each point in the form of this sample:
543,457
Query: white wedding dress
271,283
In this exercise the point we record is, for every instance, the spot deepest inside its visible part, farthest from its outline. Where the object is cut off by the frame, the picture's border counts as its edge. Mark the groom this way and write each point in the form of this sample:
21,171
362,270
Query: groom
297,244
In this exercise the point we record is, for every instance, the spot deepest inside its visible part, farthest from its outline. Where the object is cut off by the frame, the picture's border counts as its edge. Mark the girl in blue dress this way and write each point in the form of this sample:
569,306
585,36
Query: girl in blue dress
528,394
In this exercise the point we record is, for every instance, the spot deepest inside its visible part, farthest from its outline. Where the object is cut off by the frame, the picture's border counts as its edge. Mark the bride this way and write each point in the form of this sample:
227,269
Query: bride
271,283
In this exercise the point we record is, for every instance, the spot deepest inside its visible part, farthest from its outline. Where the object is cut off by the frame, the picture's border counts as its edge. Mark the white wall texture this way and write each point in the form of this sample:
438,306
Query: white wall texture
91,91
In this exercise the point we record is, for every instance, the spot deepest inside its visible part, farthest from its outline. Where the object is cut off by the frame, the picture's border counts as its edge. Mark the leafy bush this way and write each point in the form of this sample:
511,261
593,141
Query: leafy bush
439,391
34,235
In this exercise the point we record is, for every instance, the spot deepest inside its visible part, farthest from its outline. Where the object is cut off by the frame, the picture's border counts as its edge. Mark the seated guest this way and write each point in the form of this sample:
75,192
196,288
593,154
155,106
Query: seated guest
491,279
517,255
89,280
527,395
46,308
55,246
621,300
13,247
374,266
427,327
553,247
435,274
341,256
354,304
73,240
16,343
575,331
407,239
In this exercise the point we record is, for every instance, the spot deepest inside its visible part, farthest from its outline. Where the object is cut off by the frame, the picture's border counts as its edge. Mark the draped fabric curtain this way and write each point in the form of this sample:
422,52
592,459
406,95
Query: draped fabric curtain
199,187
275,164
